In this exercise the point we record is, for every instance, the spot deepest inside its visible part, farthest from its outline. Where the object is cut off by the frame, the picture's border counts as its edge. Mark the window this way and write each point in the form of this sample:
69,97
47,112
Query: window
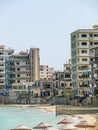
84,59
70,84
1,59
17,63
84,43
1,65
67,76
18,75
95,35
96,71
62,84
84,51
18,81
95,43
1,53
84,35
62,76
18,69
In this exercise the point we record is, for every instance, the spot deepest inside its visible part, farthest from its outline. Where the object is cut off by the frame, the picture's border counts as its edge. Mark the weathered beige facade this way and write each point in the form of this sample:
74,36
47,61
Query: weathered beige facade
94,69
22,69
46,72
63,81
81,42
34,58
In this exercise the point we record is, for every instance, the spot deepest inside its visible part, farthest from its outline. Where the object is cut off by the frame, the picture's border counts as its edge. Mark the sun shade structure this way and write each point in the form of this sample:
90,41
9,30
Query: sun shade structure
76,120
65,121
85,124
68,127
42,125
21,127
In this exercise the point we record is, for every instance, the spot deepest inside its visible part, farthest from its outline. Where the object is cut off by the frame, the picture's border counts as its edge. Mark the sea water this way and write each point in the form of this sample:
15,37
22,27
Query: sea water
11,117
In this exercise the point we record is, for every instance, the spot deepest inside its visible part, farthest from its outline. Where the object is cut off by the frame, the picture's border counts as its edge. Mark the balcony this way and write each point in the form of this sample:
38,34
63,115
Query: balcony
83,63
83,54
95,61
96,54
95,75
93,46
2,83
84,38
83,76
94,65
95,38
92,54
82,69
81,46
84,85
67,79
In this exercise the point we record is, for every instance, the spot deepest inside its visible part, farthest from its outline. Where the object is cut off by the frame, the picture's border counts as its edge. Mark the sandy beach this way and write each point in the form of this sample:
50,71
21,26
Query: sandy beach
51,108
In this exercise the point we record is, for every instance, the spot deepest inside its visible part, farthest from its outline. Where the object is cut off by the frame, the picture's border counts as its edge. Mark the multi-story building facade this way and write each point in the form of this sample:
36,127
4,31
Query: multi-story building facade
94,69
34,59
46,88
22,69
46,73
4,54
62,80
81,41
59,84
67,66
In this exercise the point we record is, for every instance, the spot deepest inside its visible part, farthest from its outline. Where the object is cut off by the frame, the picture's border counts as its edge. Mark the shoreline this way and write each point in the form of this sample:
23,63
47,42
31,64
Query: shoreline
47,107
91,118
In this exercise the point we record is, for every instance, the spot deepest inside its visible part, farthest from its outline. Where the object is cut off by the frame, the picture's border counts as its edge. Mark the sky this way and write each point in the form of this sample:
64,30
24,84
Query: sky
45,24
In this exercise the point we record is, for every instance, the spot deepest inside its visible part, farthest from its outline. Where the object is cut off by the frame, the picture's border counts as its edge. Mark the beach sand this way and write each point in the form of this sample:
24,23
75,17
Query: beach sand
91,118
50,108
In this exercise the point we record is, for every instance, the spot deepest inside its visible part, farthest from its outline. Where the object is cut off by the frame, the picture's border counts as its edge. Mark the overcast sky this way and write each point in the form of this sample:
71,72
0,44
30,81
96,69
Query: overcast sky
45,24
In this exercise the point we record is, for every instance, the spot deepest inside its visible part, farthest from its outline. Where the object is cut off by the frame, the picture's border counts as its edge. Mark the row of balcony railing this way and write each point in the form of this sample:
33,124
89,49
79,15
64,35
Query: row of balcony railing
18,72
84,85
87,46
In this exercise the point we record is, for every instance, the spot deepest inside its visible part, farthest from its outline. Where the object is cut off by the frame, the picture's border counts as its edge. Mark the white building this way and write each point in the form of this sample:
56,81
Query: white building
94,69
4,54
81,41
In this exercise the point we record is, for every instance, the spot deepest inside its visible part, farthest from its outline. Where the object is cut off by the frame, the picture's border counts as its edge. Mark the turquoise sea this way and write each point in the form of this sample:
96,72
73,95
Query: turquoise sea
11,117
